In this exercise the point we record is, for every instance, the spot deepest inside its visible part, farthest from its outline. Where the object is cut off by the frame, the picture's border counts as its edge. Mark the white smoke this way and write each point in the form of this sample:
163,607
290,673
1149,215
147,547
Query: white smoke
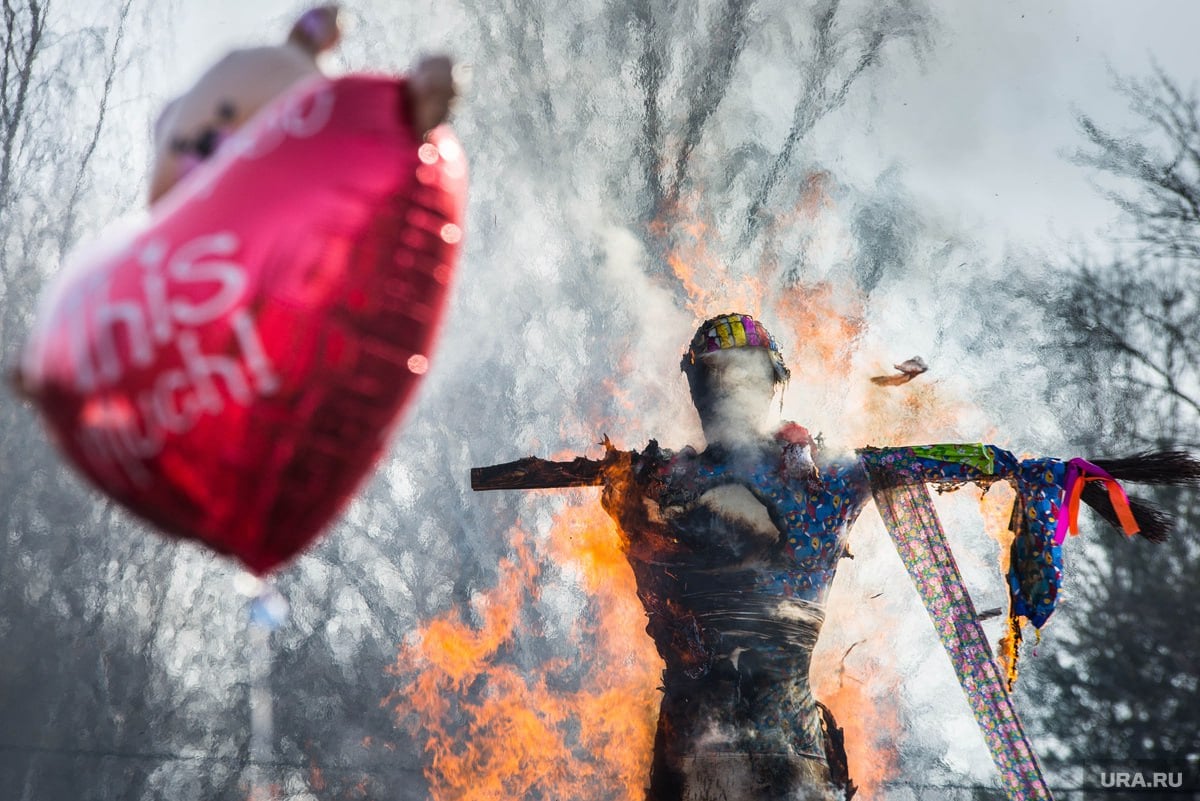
566,325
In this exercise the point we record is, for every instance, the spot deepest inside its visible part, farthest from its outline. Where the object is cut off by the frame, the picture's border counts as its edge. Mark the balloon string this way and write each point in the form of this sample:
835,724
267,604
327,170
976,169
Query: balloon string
261,725
267,611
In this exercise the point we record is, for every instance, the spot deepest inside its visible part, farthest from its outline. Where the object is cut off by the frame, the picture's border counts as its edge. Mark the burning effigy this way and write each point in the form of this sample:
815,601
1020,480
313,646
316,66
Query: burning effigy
734,549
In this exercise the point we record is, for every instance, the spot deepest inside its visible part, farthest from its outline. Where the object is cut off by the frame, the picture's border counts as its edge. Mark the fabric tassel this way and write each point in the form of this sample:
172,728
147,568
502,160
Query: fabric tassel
1159,468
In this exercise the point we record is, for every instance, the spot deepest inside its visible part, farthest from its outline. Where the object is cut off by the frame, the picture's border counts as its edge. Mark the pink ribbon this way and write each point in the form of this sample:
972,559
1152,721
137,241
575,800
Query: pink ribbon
1079,472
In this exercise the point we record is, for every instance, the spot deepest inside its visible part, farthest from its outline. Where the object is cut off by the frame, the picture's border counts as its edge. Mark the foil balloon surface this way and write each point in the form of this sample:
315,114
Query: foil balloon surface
231,370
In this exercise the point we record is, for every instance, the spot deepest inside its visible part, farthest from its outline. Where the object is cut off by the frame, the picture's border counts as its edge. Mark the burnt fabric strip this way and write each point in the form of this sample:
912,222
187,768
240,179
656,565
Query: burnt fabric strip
912,522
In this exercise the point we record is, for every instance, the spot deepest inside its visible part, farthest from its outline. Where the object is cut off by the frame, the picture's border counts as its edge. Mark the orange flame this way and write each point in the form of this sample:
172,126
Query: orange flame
496,730
870,728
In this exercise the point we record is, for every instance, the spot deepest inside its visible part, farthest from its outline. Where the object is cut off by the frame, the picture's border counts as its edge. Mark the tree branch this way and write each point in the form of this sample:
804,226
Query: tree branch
66,237
814,104
726,42
37,23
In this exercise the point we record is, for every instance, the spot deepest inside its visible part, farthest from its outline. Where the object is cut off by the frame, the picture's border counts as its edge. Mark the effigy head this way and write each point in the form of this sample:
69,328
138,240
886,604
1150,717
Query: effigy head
728,332
733,367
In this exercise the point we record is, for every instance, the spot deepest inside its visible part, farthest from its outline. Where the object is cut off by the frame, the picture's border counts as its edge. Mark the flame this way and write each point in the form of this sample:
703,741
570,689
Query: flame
497,730
583,726
870,728
996,506
702,274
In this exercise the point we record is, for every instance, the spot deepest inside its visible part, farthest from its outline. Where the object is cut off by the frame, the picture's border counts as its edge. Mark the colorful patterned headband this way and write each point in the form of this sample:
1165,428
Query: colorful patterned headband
726,331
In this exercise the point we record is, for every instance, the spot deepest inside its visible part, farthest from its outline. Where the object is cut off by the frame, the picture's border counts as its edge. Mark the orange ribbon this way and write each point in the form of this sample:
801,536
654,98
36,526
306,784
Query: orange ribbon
1079,473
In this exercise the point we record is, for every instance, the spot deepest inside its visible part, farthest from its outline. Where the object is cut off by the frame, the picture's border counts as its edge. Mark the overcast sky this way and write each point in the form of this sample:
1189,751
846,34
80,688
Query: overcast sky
987,125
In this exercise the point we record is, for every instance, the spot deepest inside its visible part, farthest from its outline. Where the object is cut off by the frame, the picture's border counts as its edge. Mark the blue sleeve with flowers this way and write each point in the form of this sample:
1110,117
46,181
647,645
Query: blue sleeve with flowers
1035,566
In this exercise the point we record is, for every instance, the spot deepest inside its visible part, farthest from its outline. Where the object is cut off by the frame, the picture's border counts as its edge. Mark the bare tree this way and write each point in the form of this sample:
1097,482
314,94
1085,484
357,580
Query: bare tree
1135,313
1122,682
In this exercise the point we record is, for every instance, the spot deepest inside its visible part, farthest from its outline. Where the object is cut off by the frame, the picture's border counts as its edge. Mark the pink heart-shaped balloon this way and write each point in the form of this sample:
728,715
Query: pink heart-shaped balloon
231,370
